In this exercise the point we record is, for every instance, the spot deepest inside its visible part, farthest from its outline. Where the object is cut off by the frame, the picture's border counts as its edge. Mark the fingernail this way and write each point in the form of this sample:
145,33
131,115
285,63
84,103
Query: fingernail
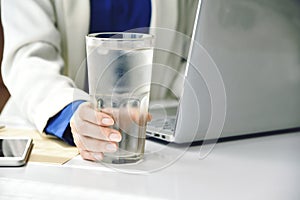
115,137
111,147
107,121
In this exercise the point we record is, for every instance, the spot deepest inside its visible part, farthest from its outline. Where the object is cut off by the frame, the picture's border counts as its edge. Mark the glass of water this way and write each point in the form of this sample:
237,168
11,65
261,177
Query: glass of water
119,73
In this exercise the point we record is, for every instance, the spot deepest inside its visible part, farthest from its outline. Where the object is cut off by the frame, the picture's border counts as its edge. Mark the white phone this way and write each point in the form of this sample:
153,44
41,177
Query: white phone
14,151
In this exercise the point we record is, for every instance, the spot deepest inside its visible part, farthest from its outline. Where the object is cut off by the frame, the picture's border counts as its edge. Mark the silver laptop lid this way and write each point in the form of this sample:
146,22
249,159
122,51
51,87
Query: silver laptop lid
247,75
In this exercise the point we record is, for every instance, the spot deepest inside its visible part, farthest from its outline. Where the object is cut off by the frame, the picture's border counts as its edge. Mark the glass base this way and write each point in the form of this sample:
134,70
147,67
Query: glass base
122,160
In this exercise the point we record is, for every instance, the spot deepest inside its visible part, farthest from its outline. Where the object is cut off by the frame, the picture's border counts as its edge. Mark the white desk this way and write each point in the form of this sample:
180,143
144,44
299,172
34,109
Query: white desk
258,168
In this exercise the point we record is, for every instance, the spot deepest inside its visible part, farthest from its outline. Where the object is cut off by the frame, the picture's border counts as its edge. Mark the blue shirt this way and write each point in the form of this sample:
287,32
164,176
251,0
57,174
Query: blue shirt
119,15
106,16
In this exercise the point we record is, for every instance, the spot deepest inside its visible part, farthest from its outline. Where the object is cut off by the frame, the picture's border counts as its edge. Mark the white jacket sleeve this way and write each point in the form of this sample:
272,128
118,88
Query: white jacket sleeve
32,61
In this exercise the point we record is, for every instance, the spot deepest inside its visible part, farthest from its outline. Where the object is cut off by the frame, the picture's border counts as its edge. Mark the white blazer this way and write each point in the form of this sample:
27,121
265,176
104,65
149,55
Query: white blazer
44,54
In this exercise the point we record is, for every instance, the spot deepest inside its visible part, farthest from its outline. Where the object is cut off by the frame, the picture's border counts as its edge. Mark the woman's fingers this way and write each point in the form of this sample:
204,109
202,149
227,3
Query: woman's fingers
85,112
92,156
92,149
91,130
93,124
98,146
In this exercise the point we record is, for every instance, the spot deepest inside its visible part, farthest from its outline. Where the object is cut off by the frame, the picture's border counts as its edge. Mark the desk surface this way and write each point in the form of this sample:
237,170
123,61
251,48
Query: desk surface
256,168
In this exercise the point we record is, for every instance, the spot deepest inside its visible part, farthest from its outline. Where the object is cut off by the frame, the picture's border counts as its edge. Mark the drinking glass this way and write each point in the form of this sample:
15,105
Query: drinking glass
119,73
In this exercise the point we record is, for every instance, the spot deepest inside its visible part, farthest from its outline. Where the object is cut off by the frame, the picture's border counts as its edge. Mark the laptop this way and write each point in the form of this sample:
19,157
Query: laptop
242,75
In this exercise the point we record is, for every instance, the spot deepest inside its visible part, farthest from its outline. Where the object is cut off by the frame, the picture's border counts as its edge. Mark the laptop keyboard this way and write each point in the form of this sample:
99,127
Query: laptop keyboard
163,124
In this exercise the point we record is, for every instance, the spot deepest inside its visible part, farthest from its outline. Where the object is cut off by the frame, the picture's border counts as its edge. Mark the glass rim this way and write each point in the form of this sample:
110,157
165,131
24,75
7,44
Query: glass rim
145,36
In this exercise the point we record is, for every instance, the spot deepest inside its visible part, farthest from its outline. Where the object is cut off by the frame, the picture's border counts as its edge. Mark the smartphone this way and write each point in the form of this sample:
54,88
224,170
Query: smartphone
14,151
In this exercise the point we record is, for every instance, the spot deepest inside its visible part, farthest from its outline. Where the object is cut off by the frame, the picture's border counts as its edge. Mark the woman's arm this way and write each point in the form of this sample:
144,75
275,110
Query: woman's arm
32,61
